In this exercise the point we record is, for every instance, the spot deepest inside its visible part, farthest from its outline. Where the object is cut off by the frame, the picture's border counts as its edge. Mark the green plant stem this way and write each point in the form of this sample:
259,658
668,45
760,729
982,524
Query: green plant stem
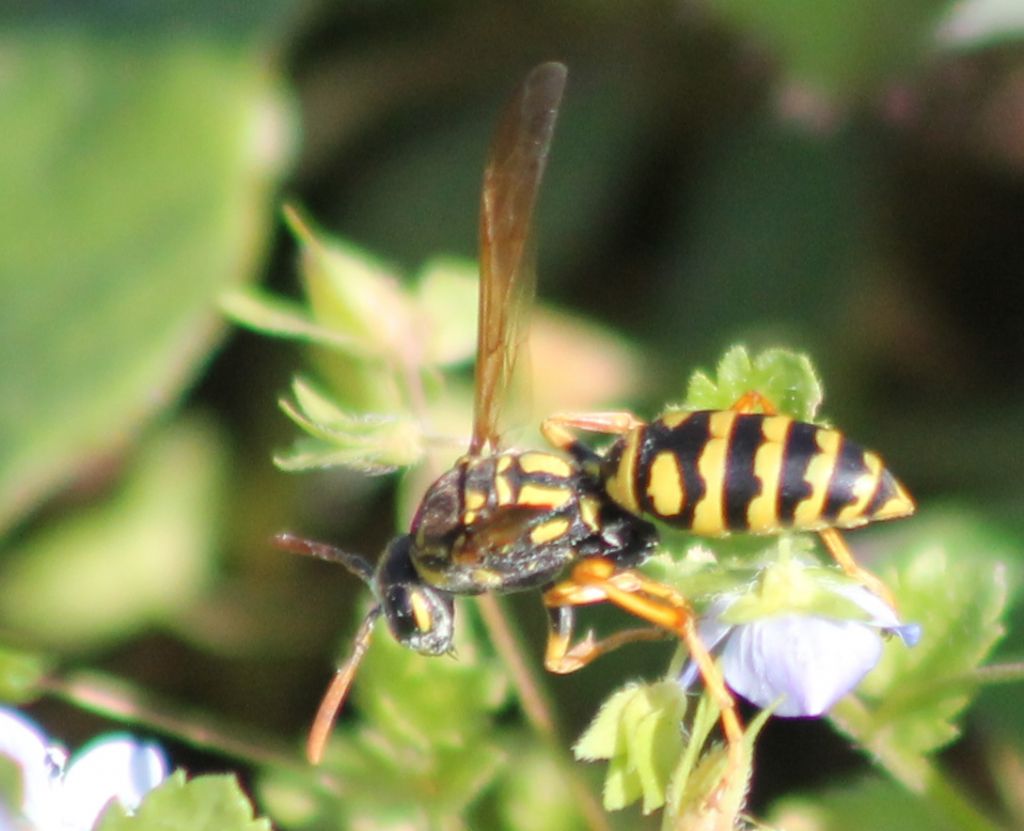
537,706
121,701
914,771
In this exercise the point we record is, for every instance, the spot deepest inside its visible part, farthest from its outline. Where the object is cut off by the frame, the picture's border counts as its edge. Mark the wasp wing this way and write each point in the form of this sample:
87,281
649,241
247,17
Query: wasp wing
518,155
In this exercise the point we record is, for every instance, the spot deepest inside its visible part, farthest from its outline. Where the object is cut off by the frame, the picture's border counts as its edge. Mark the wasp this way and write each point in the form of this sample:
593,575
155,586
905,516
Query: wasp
717,472
503,520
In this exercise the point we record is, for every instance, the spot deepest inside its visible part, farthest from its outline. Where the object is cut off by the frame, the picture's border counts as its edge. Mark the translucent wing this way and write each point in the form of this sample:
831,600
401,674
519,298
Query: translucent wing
519,152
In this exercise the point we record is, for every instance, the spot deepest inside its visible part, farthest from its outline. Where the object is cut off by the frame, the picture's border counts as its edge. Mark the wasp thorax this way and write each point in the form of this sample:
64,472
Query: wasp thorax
439,515
419,616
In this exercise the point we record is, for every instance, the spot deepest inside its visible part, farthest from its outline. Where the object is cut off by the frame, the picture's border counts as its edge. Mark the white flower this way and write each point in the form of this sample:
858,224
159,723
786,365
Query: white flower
62,796
801,654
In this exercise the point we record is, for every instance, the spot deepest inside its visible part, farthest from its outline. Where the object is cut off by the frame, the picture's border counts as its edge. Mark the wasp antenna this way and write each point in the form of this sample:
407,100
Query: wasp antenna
338,689
355,563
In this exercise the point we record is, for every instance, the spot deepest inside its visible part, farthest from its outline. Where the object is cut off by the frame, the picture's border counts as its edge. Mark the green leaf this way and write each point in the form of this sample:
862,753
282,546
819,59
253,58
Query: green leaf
532,794
954,583
20,674
255,309
890,808
834,46
373,444
206,803
981,24
702,785
12,785
138,167
136,558
430,702
447,295
786,379
425,744
639,731
353,294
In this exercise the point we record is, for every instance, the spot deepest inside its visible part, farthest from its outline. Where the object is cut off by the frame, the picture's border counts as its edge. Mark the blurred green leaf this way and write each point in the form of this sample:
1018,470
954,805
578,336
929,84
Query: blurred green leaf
834,46
447,293
786,379
206,803
979,24
12,787
889,807
135,559
532,794
20,674
424,748
137,171
255,309
426,701
954,583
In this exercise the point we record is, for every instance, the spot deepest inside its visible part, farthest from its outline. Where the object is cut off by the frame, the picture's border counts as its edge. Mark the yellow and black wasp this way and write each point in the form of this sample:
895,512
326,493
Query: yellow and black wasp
503,520
717,472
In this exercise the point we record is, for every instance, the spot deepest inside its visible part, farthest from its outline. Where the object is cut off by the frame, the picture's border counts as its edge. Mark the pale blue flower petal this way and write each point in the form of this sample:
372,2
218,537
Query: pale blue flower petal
801,662
804,663
115,767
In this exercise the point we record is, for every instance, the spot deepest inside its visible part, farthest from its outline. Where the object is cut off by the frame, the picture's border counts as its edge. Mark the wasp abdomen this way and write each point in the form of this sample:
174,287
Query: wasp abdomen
718,471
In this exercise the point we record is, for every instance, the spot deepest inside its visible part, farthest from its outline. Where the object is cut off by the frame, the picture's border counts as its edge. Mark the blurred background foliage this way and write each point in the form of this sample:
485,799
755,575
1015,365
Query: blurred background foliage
842,178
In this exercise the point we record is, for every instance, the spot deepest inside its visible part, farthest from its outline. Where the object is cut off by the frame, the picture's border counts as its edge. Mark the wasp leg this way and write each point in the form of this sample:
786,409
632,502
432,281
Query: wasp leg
595,580
558,429
752,401
562,656
841,553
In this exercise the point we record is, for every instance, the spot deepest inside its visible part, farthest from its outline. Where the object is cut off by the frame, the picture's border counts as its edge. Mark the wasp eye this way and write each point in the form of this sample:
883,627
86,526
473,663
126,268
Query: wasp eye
419,617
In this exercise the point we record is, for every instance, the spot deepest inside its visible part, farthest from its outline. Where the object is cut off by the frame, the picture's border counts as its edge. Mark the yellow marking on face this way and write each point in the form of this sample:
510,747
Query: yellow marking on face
674,418
709,512
590,513
469,517
665,485
807,513
503,490
763,512
486,578
545,463
474,499
504,463
548,531
621,486
544,496
421,611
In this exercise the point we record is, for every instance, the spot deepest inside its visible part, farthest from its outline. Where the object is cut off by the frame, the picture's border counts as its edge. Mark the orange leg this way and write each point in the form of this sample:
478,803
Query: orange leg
558,429
751,401
841,553
562,656
596,580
